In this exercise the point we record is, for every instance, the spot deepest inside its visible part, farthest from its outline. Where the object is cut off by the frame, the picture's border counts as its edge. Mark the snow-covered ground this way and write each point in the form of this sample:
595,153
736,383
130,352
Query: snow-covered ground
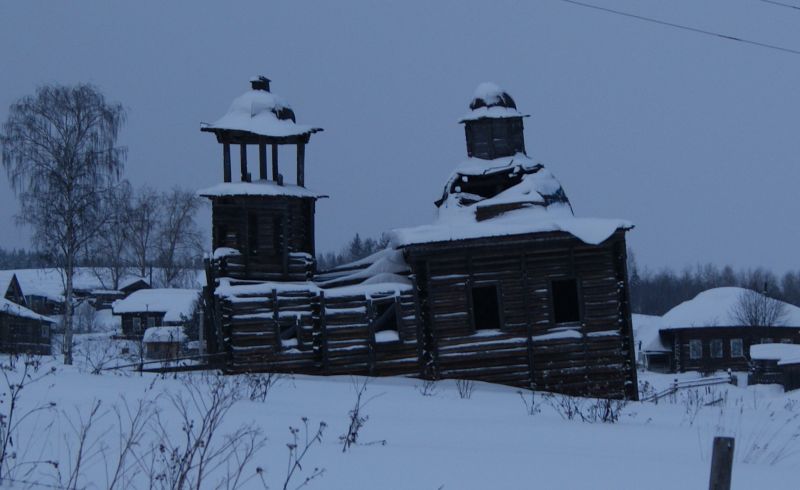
433,437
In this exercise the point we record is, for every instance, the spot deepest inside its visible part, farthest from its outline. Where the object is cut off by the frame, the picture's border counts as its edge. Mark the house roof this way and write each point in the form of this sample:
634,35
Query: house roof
646,330
47,282
262,113
13,309
775,352
176,304
715,308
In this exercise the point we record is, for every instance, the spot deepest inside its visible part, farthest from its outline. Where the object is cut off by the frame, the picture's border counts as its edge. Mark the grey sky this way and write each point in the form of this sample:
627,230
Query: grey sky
694,139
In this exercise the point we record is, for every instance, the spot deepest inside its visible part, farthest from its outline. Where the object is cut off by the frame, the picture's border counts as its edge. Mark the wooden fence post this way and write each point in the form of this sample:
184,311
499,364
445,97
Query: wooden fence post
721,464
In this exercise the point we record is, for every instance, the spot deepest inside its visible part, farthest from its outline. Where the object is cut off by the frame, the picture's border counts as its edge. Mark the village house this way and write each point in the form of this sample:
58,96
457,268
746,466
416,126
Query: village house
706,333
21,329
506,286
149,308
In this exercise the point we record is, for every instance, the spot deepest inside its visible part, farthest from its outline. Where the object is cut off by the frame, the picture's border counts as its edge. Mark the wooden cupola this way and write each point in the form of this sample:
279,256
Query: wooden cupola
259,117
494,125
262,228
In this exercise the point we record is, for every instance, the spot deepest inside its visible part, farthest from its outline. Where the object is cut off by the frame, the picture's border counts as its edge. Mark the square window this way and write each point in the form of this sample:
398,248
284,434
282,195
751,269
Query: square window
737,348
786,341
566,308
695,349
151,321
766,340
485,307
716,348
136,324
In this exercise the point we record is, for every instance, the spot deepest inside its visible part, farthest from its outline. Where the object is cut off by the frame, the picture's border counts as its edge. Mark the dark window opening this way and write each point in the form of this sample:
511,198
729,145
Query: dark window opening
485,307
252,233
566,308
385,325
289,329
385,316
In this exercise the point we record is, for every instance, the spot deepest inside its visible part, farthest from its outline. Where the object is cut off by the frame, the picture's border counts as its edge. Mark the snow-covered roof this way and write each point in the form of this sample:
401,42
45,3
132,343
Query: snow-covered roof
530,200
261,113
13,309
176,304
645,330
715,308
490,101
164,334
47,282
775,352
258,188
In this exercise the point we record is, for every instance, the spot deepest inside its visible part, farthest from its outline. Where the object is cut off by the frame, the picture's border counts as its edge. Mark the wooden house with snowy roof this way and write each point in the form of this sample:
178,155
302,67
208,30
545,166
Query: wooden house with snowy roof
506,286
706,334
21,329
151,308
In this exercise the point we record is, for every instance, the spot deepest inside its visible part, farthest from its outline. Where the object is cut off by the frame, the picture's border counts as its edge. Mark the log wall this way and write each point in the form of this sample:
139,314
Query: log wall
275,236
593,356
436,332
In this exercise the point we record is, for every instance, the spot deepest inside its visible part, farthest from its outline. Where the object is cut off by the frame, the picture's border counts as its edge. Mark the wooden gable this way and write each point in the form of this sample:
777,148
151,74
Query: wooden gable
13,292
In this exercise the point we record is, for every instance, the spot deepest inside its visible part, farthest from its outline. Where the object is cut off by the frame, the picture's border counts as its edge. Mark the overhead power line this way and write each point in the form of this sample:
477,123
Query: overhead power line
781,4
683,27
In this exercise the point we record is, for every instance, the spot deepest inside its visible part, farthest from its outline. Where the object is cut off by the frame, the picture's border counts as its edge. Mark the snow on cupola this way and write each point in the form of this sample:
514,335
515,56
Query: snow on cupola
494,125
259,112
498,177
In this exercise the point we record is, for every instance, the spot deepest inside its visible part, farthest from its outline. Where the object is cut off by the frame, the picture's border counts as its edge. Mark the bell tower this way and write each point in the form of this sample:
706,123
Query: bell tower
263,228
494,125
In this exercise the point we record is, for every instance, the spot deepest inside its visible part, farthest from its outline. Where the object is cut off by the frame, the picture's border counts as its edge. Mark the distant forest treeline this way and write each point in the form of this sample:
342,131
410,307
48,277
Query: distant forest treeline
652,292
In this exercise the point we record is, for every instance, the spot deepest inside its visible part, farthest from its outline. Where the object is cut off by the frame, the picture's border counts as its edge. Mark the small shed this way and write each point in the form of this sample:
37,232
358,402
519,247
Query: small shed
163,342
149,308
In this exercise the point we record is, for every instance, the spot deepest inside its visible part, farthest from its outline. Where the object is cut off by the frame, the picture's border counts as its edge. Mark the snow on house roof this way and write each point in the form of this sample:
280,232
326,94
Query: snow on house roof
775,352
258,188
715,308
164,335
646,330
262,113
176,304
13,309
47,282
490,101
533,202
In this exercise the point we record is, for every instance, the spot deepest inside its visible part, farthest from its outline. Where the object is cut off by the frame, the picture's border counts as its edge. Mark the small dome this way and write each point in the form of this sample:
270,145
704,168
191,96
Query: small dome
255,102
488,95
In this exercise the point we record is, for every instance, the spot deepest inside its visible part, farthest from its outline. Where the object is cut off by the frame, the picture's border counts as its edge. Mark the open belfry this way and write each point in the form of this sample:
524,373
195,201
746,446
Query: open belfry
505,286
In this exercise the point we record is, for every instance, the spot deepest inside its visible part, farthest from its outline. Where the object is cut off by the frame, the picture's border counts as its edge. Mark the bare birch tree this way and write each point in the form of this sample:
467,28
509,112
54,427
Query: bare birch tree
179,241
61,156
108,253
759,310
143,222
